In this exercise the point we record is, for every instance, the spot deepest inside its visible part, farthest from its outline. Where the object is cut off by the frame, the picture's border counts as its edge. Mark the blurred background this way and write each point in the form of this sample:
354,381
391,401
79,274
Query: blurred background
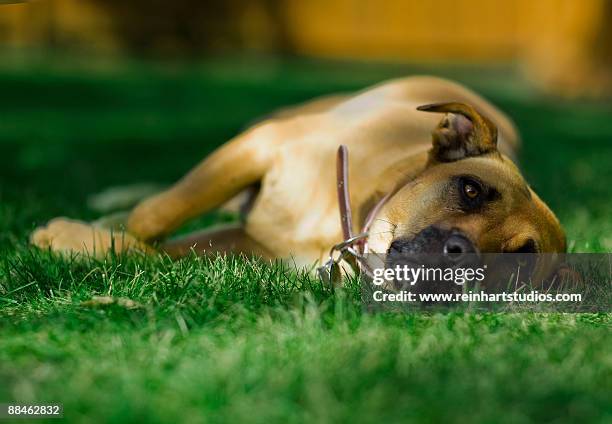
561,45
96,93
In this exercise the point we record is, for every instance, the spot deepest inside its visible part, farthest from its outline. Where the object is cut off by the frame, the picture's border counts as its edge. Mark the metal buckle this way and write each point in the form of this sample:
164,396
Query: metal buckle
330,272
346,244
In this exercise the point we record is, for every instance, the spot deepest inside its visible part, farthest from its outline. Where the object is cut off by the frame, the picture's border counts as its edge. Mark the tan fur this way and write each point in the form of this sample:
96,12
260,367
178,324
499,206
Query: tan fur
292,154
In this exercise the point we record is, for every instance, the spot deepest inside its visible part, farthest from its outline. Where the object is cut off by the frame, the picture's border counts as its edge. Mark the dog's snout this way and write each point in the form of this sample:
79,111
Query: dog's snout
457,246
435,248
450,243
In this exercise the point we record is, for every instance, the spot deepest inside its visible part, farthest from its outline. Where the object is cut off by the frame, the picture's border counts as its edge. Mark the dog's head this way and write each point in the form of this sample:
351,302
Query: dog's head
469,198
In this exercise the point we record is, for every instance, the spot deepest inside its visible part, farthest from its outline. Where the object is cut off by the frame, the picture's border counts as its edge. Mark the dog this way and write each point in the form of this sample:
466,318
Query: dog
439,156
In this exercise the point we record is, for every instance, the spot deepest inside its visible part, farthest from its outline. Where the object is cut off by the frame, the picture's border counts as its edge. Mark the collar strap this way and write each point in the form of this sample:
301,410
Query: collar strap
353,247
360,241
344,201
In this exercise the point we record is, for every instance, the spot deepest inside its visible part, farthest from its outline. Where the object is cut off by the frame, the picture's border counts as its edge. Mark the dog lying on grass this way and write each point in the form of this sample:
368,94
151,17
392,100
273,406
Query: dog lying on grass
448,183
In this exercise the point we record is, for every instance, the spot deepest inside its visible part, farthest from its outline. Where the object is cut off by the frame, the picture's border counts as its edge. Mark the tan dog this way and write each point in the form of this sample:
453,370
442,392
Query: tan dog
460,190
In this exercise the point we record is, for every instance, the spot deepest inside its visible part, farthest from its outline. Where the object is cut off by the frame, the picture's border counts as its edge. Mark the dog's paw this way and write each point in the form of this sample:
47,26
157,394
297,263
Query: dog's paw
68,236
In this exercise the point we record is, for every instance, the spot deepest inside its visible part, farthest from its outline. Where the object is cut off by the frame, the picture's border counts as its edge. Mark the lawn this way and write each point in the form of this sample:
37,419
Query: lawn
238,340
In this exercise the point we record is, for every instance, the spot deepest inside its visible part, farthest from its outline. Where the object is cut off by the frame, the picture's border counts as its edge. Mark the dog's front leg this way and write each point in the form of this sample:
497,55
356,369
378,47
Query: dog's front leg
223,174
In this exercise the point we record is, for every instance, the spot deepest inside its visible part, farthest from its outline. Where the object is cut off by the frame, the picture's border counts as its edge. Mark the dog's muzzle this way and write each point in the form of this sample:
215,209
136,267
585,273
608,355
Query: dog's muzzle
433,247
450,244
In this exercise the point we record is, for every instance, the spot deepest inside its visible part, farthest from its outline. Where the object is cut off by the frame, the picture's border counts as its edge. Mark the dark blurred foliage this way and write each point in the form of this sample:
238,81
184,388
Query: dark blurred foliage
190,27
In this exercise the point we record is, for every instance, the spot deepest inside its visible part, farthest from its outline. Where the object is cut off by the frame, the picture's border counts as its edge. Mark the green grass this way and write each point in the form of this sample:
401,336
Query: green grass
236,340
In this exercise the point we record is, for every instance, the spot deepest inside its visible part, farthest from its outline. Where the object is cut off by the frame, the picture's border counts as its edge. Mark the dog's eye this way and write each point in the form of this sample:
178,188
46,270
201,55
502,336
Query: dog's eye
470,188
471,191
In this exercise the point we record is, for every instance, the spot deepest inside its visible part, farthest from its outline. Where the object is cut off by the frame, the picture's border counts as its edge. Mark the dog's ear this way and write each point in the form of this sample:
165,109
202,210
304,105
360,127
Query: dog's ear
462,133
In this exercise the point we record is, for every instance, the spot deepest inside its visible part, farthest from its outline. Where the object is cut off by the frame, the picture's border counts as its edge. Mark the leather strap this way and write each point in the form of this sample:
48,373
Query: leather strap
352,247
344,204
344,200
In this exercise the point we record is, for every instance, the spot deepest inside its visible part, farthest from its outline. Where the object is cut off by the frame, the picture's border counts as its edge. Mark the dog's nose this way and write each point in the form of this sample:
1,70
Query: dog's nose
457,246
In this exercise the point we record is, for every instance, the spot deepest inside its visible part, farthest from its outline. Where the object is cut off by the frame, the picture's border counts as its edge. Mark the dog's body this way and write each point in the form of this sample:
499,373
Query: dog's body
292,157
